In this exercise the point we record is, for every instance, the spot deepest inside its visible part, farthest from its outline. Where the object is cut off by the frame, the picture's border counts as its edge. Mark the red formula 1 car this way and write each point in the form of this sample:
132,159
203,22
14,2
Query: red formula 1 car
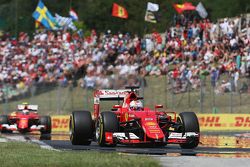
132,124
26,119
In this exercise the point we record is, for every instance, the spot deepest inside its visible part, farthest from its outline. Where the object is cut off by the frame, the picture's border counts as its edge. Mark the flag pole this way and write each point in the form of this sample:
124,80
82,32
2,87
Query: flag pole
16,18
70,3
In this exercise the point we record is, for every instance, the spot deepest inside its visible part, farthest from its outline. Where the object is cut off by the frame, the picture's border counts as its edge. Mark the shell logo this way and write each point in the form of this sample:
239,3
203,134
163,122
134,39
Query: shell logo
150,123
126,116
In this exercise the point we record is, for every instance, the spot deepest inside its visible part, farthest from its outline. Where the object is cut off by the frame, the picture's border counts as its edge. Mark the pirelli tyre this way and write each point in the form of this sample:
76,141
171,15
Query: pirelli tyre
46,121
190,123
107,122
4,120
81,128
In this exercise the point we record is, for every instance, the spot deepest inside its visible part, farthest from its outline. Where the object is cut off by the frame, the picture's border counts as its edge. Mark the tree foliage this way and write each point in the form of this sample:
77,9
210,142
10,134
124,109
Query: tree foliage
16,15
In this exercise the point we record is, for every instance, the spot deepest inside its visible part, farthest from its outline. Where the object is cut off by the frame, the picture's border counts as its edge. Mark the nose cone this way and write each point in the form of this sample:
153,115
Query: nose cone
23,124
152,130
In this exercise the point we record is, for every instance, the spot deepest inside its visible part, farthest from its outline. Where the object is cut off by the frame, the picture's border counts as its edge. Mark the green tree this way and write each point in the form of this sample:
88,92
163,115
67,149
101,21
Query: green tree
16,15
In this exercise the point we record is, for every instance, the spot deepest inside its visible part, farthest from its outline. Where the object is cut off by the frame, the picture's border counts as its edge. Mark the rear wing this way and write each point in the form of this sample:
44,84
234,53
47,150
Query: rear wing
109,94
29,107
112,95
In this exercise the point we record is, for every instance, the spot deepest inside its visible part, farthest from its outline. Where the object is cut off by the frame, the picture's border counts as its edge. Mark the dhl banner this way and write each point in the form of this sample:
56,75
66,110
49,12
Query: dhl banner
208,122
224,122
60,123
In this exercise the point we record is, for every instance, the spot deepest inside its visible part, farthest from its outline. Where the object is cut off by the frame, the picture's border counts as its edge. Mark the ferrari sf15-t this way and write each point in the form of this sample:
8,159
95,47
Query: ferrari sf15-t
26,119
121,125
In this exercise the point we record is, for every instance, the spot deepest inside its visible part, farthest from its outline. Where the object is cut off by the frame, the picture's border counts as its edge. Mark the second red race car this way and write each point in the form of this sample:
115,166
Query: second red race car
132,124
26,119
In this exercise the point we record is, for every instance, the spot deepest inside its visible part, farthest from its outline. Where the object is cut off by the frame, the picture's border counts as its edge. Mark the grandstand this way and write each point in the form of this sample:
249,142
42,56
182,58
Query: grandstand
191,55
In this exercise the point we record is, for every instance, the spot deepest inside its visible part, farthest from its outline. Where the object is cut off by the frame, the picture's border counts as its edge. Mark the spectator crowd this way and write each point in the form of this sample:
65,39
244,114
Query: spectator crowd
186,53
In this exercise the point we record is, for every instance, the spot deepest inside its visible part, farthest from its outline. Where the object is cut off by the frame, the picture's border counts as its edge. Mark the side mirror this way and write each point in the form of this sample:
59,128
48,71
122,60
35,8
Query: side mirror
158,106
117,106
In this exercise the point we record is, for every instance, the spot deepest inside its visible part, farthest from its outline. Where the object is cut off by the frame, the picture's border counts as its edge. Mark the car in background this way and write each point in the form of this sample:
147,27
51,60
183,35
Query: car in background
25,119
123,125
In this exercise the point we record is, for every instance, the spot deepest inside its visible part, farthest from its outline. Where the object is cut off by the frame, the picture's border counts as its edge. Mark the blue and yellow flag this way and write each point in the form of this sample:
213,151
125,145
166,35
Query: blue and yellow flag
42,15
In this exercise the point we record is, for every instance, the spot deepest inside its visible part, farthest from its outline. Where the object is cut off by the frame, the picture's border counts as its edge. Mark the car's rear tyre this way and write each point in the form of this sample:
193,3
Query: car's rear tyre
4,120
81,128
46,121
190,123
107,122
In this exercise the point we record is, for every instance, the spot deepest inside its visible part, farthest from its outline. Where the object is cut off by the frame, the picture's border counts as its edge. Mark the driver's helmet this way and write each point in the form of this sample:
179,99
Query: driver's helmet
26,111
136,105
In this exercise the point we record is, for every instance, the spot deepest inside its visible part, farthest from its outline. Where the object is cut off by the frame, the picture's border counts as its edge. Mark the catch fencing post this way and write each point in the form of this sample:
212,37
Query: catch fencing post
231,93
201,95
165,91
5,96
172,92
58,99
143,87
189,90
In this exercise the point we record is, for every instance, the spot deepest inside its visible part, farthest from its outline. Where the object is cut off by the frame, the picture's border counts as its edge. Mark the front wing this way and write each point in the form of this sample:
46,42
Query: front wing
131,138
15,128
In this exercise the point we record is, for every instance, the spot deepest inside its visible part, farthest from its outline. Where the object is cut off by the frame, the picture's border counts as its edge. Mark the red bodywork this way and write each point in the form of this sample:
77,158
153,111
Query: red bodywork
153,126
19,121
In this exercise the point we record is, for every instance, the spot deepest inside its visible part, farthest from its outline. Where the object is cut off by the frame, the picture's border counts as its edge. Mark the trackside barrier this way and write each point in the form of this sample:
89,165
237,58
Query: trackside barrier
208,122
60,123
224,122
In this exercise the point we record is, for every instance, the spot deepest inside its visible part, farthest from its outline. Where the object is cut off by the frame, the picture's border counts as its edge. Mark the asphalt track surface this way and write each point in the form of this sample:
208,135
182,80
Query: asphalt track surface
66,145
210,144
216,149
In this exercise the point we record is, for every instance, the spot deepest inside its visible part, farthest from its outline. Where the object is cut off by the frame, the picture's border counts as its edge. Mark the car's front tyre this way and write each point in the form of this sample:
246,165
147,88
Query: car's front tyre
107,122
190,123
4,120
46,121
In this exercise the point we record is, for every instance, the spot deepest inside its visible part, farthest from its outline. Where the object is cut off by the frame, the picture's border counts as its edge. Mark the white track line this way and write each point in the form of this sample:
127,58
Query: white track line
3,140
43,145
21,138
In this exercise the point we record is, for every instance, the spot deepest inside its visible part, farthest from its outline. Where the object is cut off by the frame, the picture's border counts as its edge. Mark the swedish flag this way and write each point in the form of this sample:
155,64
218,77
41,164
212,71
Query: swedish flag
42,15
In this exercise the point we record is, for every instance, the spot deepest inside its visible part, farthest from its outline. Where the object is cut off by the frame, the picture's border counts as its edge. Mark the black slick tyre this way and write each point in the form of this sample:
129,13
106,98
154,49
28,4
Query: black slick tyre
190,124
107,122
81,128
46,121
4,120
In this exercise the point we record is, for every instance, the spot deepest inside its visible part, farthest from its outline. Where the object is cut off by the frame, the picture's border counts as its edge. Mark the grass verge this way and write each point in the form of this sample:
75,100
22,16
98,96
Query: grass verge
29,155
